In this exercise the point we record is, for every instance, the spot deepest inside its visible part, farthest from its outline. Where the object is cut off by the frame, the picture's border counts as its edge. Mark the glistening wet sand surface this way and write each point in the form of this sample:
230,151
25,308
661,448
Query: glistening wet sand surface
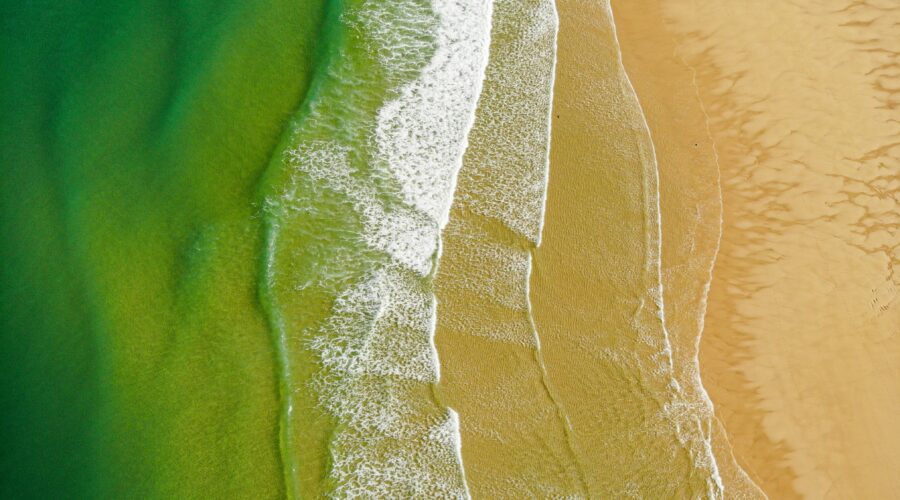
514,439
595,285
690,201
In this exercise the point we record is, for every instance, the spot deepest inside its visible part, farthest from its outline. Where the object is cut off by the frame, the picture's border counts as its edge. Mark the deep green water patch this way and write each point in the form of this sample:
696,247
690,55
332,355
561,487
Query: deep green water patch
137,359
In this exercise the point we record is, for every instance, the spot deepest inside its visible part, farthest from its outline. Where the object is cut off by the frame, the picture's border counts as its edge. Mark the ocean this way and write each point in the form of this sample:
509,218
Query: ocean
322,249
137,358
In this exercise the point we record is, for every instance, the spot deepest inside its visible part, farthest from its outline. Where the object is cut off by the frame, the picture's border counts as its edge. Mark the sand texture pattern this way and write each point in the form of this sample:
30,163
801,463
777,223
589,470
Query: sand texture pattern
800,351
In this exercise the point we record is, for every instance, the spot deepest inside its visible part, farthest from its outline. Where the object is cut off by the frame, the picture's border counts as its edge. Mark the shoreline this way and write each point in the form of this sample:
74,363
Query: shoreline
798,345
691,203
596,281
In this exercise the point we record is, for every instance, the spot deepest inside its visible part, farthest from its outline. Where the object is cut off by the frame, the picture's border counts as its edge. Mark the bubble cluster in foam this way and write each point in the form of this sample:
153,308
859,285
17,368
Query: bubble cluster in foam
421,135
394,33
376,357
376,329
508,179
408,236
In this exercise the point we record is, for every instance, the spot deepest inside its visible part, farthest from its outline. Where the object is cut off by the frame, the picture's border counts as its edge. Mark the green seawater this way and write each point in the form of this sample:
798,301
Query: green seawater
201,290
138,361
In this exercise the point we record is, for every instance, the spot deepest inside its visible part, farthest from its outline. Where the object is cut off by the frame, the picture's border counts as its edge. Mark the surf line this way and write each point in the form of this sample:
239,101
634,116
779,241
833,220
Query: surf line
271,217
704,300
444,214
420,139
717,488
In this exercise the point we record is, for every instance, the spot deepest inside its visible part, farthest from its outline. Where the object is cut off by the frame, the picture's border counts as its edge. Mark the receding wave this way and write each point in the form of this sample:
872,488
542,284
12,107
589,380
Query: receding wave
354,219
487,338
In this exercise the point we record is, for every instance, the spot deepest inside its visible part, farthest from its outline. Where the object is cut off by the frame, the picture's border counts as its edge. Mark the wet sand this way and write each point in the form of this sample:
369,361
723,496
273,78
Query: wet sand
588,407
514,439
595,283
514,442
800,351
690,200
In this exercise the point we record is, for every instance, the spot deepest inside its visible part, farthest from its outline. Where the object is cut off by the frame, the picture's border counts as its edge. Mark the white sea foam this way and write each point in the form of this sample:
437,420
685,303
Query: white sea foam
395,30
392,441
377,347
376,326
508,180
421,135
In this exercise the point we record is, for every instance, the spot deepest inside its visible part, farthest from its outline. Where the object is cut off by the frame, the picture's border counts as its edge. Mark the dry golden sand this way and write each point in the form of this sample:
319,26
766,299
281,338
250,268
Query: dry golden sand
800,351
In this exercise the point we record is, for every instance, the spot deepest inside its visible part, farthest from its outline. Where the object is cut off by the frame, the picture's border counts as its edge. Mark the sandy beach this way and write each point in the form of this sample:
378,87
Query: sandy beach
596,281
800,351
489,249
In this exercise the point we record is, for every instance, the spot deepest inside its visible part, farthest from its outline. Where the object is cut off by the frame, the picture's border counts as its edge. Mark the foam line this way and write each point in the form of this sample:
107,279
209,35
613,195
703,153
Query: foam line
716,489
704,300
378,346
549,133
